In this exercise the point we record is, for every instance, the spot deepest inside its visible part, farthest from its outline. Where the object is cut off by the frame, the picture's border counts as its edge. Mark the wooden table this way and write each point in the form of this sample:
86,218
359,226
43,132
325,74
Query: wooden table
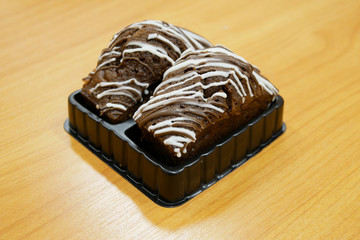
305,185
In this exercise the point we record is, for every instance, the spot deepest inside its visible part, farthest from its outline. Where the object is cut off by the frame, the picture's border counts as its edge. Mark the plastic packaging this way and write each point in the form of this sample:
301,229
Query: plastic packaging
118,145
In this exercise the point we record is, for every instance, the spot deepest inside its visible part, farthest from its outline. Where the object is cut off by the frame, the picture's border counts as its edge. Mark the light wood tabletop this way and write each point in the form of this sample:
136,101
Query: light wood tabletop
305,185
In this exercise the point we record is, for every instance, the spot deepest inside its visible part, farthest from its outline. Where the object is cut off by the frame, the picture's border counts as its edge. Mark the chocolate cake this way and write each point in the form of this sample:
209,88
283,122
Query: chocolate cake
204,97
133,64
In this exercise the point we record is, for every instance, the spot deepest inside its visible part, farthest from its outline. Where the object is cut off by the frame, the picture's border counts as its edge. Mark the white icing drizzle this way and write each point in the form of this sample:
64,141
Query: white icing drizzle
146,47
193,41
177,150
105,63
234,71
261,81
180,79
166,123
225,74
116,105
183,64
189,77
114,54
209,62
123,89
174,96
177,130
118,91
265,84
217,49
172,31
114,38
199,39
164,40
177,141
219,94
172,100
111,53
106,84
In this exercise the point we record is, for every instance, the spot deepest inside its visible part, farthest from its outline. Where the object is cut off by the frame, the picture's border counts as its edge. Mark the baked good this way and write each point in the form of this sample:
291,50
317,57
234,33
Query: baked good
133,65
204,97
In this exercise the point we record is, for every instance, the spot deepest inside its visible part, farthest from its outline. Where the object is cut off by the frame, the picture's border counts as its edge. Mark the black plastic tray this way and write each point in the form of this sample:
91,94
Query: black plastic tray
118,146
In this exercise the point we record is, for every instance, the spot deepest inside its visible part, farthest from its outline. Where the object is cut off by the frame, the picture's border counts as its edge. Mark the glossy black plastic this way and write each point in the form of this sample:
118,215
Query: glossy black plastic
118,146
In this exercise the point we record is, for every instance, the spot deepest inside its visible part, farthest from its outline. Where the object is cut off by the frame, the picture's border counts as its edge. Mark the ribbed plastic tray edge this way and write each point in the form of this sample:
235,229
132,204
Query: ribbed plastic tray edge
170,186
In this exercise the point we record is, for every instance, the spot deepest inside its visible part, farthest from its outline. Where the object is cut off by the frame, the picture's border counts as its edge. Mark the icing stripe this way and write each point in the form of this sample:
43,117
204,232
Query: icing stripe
219,94
265,84
166,130
105,63
166,123
164,40
145,47
116,105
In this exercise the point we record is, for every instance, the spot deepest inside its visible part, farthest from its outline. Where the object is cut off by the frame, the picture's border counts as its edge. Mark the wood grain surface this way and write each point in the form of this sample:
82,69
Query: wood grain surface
305,185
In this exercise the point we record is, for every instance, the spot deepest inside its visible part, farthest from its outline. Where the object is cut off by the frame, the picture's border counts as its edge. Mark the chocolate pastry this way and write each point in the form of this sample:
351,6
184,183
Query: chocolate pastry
204,97
133,64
